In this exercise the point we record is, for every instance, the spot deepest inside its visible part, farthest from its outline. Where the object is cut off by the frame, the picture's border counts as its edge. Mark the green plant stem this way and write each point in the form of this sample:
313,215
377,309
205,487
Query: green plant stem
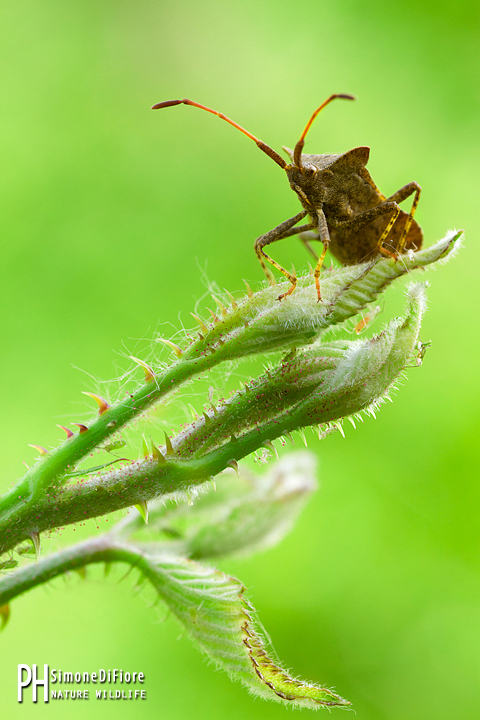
258,324
94,550
352,387
123,488
210,605
65,457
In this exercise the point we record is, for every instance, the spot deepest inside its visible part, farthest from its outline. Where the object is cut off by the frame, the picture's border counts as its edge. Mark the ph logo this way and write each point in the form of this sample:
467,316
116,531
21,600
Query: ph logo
31,678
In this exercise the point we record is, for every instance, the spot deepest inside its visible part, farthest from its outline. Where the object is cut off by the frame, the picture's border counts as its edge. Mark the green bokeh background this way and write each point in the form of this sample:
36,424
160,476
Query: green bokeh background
111,217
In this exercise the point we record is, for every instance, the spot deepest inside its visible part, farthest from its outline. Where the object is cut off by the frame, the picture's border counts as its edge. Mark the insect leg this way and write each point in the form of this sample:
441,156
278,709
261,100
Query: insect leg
297,231
400,195
283,230
391,222
324,237
306,238
359,221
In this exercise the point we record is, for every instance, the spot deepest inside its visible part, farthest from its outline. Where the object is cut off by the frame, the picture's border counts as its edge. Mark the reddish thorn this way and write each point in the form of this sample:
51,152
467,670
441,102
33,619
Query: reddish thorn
83,428
234,465
178,351
168,445
149,374
157,455
35,538
41,450
232,300
143,510
214,317
249,289
4,614
221,306
103,406
201,324
69,432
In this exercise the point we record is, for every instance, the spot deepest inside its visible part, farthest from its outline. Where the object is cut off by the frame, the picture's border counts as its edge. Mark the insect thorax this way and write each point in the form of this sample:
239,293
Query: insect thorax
340,184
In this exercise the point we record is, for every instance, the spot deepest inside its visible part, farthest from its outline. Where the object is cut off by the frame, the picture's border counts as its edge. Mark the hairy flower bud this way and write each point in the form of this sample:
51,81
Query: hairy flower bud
316,386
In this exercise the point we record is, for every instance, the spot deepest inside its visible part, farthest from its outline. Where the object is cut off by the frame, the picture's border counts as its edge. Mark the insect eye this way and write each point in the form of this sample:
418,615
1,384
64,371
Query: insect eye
311,169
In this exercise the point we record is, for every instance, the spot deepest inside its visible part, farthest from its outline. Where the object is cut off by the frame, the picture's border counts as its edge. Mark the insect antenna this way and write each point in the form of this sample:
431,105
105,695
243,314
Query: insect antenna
297,153
266,149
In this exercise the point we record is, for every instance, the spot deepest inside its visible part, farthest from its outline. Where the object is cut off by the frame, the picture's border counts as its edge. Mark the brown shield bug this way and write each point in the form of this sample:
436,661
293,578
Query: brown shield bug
348,213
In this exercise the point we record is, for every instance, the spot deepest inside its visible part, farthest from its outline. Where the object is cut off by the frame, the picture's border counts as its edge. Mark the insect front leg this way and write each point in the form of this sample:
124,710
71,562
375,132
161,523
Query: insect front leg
324,237
306,238
400,195
361,219
381,249
285,229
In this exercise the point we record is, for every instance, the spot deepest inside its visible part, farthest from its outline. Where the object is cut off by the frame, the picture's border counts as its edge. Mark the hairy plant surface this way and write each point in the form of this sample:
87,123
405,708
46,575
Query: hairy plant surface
317,383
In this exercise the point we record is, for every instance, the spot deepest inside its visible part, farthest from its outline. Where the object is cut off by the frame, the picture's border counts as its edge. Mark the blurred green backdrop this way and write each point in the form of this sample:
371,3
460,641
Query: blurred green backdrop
111,218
